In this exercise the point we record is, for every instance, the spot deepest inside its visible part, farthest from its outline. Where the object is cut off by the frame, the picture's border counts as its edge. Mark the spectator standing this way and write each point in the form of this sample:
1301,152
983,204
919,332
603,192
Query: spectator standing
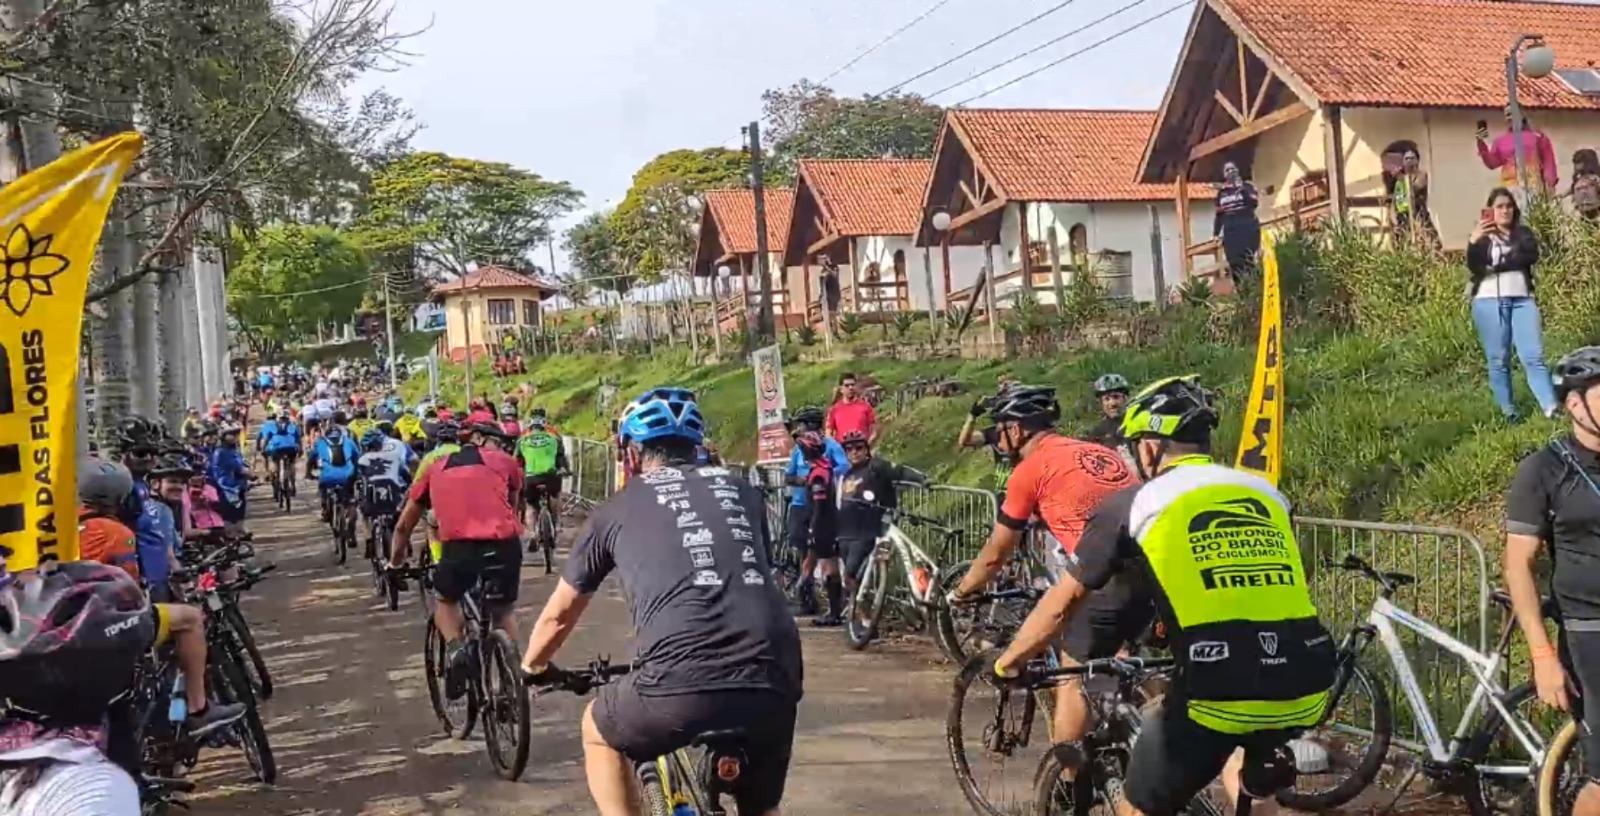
1236,224
801,507
1408,194
850,413
1538,156
1500,258
1585,190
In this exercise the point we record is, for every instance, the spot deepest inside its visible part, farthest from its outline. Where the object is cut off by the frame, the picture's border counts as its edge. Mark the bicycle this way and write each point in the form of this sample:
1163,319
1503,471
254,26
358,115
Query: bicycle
494,687
921,572
341,520
283,487
991,618
1463,765
223,604
544,530
676,784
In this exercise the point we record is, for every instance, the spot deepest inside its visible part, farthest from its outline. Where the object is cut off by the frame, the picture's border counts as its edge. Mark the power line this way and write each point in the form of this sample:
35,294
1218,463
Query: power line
881,43
980,46
1036,49
1090,47
361,282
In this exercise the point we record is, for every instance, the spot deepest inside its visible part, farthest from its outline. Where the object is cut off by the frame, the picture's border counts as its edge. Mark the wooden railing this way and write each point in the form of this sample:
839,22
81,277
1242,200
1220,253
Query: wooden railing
1296,218
1043,280
867,298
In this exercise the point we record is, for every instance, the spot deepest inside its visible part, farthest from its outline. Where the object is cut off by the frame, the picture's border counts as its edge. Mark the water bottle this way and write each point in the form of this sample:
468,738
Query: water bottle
683,809
178,705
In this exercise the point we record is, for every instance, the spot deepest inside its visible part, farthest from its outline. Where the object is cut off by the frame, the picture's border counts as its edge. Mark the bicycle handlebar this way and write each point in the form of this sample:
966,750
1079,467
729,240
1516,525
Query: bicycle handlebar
578,681
1127,668
1390,581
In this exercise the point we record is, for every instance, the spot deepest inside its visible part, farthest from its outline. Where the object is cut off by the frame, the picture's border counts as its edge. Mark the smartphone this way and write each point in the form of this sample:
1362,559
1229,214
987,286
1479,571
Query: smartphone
1486,216
1483,129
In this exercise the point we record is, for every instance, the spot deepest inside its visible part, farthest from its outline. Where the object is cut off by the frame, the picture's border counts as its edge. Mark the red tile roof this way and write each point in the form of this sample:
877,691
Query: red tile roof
868,196
1063,155
494,277
735,214
1419,53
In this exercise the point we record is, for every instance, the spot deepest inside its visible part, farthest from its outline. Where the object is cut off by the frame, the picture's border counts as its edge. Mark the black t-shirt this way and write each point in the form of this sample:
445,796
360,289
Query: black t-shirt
1551,500
690,546
1107,560
872,482
1107,432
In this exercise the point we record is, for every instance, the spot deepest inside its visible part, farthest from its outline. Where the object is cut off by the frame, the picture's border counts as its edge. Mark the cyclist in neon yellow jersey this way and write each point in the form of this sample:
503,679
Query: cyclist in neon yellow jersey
446,434
1216,548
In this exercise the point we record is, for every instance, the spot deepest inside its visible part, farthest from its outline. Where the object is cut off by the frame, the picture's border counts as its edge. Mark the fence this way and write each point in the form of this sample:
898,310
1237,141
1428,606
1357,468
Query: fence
593,470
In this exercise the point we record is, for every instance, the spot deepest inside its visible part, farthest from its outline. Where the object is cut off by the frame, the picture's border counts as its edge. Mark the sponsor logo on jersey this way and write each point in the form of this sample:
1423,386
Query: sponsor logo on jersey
713,471
662,476
670,494
701,557
678,505
1269,644
725,494
707,578
1247,576
740,520
754,578
749,555
698,538
687,519
1208,651
741,535
1231,515
729,504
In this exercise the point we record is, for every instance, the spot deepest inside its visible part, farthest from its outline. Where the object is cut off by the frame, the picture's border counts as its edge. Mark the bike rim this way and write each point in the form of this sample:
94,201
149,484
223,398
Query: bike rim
1001,732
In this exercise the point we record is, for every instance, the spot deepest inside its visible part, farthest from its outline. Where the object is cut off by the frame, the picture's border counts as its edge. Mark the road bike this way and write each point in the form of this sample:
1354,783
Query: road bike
494,687
690,781
1491,760
895,552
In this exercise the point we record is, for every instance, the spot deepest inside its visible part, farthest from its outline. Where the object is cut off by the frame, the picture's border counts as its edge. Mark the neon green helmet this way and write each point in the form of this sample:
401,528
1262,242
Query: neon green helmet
1170,408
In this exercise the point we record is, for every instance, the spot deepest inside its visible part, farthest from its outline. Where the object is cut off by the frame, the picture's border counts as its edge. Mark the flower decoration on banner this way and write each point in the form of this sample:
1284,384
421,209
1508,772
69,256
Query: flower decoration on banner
29,268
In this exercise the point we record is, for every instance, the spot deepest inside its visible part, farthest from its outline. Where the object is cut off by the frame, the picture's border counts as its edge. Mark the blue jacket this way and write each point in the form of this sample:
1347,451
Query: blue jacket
273,439
154,534
798,467
226,470
328,473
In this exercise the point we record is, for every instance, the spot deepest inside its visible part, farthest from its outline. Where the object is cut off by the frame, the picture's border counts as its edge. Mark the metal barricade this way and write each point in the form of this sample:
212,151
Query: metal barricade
593,469
767,476
1452,593
968,510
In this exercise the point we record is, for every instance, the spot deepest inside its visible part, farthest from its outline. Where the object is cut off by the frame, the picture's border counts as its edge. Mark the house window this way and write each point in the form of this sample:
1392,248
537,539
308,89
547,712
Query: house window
502,311
1078,245
530,312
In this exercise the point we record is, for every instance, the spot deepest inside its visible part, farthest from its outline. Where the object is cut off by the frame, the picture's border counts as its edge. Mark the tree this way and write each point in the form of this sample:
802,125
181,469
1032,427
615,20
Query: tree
807,120
595,254
654,225
289,279
446,212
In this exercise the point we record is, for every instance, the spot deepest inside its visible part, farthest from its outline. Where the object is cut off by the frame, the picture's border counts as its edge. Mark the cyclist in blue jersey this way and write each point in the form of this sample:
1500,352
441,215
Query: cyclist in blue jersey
336,455
810,419
279,441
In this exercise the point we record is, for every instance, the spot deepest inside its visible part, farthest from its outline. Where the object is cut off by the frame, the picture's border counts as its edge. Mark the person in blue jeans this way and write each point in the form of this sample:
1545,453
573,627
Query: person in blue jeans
1501,256
810,420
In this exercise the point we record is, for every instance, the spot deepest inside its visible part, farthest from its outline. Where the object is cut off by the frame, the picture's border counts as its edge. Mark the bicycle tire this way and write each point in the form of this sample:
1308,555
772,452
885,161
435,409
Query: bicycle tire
1053,796
254,664
1372,756
861,625
455,717
655,798
1557,790
976,669
547,538
232,687
1479,797
505,702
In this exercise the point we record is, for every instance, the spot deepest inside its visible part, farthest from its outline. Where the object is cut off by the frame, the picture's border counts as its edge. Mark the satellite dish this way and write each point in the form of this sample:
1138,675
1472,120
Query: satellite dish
1538,61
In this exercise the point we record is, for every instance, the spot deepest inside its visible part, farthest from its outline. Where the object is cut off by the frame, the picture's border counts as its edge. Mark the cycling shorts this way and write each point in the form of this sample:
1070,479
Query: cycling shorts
1095,633
345,491
382,499
284,453
536,486
825,545
1175,758
462,564
313,423
855,552
646,726
1580,654
163,620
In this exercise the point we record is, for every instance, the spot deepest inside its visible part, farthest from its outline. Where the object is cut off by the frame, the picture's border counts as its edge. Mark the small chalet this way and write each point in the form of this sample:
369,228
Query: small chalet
1316,100
728,239
1049,194
488,306
859,217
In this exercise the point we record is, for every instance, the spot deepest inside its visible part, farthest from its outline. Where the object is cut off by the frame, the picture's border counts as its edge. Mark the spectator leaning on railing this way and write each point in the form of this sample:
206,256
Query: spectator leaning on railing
1500,258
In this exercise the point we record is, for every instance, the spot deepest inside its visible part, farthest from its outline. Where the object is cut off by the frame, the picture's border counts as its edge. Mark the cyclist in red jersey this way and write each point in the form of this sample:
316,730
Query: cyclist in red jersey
1060,480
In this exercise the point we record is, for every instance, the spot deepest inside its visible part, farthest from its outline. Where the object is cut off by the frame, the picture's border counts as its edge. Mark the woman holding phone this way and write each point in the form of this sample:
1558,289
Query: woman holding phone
1501,257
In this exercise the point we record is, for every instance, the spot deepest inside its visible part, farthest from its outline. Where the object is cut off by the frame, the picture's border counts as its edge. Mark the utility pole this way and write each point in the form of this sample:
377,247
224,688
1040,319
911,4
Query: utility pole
764,324
388,330
466,332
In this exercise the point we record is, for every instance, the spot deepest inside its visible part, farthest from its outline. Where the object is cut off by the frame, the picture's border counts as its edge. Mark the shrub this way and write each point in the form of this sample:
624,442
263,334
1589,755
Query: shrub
849,325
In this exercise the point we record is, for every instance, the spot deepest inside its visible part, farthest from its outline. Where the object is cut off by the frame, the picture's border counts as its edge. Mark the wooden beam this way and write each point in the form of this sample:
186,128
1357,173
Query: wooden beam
1244,85
1293,110
822,243
976,213
966,192
1022,230
1228,108
1333,149
1183,220
1261,95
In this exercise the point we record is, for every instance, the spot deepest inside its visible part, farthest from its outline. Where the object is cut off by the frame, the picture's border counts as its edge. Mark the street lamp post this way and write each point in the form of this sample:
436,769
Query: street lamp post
716,306
1538,60
940,221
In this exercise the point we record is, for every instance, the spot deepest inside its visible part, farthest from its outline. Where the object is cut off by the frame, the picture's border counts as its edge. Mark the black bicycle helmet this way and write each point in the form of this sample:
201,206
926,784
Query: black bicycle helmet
1021,403
489,429
449,432
810,415
70,638
136,432
172,464
1577,371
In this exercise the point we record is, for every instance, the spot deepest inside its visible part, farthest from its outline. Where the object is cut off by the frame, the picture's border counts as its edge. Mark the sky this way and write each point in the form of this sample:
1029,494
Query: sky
588,90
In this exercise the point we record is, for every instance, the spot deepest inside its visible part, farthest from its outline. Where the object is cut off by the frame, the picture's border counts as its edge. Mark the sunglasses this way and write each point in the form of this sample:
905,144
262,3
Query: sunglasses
991,435
857,446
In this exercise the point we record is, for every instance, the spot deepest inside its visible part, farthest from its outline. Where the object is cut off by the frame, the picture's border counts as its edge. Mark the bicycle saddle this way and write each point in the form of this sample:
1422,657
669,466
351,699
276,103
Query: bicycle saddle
721,739
1547,605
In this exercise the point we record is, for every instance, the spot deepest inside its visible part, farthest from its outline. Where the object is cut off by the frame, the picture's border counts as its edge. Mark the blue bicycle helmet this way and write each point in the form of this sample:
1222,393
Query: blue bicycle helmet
662,413
373,439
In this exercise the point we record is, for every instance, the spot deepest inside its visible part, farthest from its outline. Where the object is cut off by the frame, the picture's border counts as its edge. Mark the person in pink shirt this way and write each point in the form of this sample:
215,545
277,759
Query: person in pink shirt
200,509
1538,156
851,413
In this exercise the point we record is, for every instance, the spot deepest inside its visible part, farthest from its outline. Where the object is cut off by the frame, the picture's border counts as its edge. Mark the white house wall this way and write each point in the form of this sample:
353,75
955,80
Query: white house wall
1119,226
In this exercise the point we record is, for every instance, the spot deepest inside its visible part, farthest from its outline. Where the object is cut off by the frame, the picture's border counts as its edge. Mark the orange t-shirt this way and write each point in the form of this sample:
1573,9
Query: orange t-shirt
1062,481
108,541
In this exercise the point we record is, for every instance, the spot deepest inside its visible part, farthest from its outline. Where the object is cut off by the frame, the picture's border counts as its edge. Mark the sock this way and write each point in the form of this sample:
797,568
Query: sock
835,592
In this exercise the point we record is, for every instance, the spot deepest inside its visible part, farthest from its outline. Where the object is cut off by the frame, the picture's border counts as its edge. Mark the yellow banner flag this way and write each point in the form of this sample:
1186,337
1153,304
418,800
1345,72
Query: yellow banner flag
50,221
1261,444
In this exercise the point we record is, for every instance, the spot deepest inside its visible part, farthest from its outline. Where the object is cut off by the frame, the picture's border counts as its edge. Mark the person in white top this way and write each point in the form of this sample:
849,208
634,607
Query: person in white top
1501,256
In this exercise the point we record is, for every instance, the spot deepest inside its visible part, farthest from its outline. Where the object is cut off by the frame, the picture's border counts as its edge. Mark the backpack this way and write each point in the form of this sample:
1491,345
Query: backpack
336,453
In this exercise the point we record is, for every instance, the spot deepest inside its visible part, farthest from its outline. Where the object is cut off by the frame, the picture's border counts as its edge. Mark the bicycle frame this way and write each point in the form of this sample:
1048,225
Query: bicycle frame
1381,622
895,541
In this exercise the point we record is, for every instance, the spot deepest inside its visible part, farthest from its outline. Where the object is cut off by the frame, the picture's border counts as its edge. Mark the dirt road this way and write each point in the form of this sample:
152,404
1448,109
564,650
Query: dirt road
354,733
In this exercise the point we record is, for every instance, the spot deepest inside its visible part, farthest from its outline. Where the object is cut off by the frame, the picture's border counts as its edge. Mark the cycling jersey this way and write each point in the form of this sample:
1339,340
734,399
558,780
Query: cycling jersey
798,466
308,413
325,407
1062,480
473,493
328,472
1552,500
390,464
279,435
438,452
409,427
104,539
540,452
1218,551
359,427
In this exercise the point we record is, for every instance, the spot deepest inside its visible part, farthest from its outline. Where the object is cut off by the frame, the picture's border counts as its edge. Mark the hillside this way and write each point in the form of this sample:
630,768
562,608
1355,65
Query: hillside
1389,414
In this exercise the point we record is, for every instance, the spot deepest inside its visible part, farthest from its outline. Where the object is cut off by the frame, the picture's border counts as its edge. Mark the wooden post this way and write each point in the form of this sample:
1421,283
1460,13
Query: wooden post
933,299
855,278
1333,147
944,251
805,288
1023,255
744,300
466,330
1054,249
1186,267
988,293
1157,263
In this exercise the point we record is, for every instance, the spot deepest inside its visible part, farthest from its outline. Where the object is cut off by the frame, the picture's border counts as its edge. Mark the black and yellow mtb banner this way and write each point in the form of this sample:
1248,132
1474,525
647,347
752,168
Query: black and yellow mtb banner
1261,444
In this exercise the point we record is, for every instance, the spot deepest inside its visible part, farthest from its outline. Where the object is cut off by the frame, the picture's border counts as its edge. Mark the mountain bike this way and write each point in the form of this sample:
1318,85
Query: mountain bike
341,520
1491,760
544,531
895,552
680,783
282,484
494,690
991,618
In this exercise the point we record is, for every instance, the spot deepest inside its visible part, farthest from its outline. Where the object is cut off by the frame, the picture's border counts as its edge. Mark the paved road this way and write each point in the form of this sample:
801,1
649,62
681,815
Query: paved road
354,733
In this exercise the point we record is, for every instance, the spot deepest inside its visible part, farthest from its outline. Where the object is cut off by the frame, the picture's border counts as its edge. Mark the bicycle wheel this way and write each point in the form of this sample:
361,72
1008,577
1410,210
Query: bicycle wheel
1494,744
230,686
254,665
988,730
455,716
866,607
1562,776
1055,796
547,538
505,707
965,630
1355,731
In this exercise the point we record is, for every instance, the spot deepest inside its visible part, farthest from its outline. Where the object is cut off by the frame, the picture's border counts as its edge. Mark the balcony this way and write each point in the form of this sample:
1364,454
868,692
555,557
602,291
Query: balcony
873,301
